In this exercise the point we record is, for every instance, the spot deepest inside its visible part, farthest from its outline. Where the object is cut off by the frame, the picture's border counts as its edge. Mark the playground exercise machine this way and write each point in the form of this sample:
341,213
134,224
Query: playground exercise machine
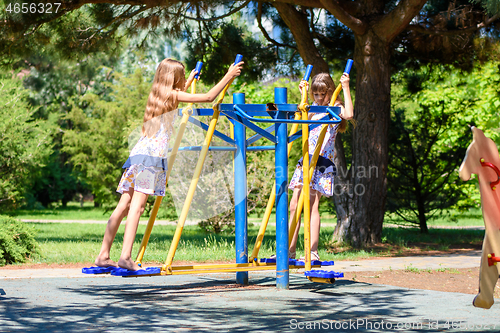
244,116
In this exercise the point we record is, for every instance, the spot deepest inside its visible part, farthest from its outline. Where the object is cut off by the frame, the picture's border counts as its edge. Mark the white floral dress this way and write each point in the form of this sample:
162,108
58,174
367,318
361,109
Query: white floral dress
146,167
325,171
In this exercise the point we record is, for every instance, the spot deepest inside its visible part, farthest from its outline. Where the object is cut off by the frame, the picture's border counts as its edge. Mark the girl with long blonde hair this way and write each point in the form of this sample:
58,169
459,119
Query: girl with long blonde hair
146,168
322,88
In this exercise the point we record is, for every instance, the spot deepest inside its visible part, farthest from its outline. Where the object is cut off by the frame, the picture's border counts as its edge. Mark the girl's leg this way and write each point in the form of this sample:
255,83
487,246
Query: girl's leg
293,206
136,209
121,210
315,220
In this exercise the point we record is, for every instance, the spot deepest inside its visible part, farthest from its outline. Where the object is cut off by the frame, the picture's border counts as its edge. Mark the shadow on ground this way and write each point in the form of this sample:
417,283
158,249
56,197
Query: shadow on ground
215,303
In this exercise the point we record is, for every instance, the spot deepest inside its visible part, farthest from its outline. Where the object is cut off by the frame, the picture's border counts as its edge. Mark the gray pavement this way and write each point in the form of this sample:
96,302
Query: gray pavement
64,300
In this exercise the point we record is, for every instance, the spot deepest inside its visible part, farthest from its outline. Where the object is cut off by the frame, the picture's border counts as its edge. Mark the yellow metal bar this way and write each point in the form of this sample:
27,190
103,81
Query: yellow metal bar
304,109
212,266
174,271
335,94
186,112
306,190
194,182
224,266
228,270
270,202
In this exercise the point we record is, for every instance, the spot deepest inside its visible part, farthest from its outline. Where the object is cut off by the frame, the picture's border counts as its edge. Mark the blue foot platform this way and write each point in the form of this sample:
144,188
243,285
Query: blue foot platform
141,272
295,262
324,274
98,270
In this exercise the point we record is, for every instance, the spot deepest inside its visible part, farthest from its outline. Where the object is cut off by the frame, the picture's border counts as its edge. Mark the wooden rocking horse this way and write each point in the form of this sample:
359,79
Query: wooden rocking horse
482,159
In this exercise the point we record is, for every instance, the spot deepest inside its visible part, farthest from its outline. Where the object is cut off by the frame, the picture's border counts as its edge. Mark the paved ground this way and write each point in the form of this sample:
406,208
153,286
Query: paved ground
64,300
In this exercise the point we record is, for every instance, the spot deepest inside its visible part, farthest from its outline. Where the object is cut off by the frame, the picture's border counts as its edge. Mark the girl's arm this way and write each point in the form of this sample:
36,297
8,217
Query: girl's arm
190,79
234,71
347,111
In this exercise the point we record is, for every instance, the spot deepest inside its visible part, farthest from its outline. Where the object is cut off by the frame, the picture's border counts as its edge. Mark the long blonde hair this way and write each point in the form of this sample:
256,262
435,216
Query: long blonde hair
170,77
323,83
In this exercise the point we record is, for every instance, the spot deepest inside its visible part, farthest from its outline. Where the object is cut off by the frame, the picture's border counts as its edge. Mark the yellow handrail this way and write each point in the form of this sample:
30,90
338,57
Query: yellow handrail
199,166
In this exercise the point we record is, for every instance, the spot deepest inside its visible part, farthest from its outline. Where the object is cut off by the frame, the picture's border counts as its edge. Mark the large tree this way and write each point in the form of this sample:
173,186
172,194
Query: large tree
377,25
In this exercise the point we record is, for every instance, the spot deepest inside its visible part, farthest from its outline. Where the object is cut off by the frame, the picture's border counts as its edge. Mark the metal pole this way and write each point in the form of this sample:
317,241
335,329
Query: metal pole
281,169
240,194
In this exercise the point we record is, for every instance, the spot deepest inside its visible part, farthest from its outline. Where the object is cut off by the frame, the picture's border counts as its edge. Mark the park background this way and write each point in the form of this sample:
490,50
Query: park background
74,86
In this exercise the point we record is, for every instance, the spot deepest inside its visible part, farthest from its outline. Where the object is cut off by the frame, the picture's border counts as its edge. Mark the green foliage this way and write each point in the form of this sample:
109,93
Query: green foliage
97,141
429,136
492,6
73,35
17,241
54,86
25,143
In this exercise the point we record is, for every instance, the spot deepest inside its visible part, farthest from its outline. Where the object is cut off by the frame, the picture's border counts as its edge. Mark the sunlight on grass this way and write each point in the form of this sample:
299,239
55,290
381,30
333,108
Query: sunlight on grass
80,243
471,218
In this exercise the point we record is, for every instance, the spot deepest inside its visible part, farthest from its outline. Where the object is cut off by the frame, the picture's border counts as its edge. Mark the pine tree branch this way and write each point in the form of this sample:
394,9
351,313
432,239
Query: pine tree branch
264,32
338,8
425,31
231,12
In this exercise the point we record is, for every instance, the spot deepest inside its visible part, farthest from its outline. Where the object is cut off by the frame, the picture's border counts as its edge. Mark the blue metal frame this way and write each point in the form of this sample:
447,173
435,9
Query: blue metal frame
238,119
240,194
216,133
257,137
242,116
281,169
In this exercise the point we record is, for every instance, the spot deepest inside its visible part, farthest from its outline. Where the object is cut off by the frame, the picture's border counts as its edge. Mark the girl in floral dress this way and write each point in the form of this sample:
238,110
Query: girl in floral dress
146,168
321,183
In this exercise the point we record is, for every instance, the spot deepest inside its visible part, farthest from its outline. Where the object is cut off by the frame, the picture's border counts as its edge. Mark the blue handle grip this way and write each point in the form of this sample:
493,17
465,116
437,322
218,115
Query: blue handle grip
198,67
238,59
308,72
348,66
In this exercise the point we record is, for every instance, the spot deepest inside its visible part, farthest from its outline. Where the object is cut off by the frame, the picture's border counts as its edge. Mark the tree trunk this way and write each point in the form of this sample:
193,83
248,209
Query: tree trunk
368,181
422,221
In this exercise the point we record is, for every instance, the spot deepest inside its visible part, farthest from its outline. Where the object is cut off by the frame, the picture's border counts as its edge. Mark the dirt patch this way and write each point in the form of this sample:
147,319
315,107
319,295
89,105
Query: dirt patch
462,280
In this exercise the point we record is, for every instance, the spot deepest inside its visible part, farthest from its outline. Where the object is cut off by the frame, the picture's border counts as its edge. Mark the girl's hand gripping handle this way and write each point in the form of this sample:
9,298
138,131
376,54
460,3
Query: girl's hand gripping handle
235,69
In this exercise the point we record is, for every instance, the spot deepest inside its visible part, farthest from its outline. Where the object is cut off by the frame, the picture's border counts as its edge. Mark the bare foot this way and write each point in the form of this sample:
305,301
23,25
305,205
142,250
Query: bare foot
128,264
106,262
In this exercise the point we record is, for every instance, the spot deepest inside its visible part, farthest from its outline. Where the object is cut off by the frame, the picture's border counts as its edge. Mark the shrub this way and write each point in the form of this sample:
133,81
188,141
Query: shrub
17,241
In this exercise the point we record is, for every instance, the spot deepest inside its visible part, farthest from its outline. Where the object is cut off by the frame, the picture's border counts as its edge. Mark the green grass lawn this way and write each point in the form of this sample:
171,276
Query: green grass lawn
73,211
470,218
80,243
65,243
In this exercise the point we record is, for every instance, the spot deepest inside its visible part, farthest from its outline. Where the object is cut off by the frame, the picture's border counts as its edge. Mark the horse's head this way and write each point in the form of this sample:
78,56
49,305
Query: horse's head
471,159
481,147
